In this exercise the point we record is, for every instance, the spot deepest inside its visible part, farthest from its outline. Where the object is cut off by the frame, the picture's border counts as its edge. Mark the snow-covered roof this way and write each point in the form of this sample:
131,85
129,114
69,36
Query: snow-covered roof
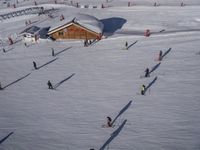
84,20
37,30
89,22
31,30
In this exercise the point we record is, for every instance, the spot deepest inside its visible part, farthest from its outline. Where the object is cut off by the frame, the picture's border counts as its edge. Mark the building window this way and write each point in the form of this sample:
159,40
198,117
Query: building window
60,33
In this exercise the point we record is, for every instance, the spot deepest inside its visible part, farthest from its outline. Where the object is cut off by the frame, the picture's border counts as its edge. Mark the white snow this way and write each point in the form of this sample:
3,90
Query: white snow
106,78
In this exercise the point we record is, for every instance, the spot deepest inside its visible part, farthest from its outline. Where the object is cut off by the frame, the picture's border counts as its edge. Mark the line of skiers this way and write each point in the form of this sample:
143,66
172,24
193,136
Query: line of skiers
50,86
147,73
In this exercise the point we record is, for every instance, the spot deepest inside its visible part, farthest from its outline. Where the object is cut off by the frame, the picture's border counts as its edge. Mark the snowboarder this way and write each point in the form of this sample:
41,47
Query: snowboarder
147,72
4,50
34,65
160,56
109,122
53,54
126,45
49,85
143,89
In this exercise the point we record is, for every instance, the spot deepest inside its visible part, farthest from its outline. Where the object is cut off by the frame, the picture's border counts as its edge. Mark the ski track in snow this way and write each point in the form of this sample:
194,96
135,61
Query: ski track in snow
106,78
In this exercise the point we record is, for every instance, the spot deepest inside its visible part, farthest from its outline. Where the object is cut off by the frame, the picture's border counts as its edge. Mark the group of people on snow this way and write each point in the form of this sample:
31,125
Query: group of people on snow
87,43
50,86
147,73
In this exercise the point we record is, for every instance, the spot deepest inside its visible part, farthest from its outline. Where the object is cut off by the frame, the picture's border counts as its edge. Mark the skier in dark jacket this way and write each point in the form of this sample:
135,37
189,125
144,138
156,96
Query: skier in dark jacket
147,72
34,65
143,88
52,52
49,85
109,122
126,45
1,87
160,56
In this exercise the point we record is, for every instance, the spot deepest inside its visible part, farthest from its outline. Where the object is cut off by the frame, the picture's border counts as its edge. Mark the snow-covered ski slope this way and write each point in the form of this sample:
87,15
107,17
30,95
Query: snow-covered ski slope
99,80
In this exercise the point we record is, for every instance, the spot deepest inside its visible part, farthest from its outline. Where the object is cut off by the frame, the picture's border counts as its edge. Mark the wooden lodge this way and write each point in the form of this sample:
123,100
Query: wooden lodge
81,27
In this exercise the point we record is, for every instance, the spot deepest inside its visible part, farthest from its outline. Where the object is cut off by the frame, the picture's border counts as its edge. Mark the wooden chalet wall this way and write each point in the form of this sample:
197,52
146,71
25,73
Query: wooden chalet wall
74,32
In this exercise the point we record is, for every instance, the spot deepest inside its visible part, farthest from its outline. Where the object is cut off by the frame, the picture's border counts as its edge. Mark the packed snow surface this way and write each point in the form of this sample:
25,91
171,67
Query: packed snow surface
99,80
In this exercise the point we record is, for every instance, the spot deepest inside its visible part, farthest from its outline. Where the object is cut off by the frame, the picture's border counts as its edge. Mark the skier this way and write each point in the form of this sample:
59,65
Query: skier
1,87
62,17
109,122
10,41
160,56
126,45
25,44
26,23
49,85
143,89
90,42
4,50
147,72
84,43
34,65
53,54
